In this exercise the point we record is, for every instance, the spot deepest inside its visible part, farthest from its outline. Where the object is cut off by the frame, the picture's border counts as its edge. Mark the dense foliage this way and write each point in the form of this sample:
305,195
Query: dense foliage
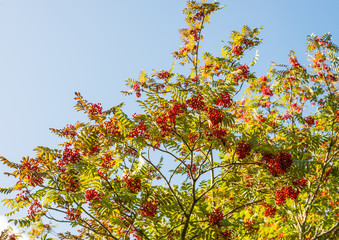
200,161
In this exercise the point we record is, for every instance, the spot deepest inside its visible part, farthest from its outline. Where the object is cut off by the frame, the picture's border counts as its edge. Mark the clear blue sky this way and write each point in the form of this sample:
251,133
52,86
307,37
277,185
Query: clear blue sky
50,49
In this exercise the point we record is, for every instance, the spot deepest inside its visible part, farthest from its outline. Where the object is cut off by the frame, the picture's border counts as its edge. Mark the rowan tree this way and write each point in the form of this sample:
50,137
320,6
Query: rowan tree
242,156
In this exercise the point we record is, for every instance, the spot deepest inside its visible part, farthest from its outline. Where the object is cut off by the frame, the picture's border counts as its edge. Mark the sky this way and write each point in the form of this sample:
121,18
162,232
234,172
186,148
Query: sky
51,49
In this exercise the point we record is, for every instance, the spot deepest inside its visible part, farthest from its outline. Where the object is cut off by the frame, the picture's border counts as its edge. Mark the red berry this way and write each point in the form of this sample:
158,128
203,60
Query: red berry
149,209
216,216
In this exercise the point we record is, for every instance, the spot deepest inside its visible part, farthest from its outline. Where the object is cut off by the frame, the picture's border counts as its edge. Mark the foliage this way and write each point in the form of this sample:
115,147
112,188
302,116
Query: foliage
197,163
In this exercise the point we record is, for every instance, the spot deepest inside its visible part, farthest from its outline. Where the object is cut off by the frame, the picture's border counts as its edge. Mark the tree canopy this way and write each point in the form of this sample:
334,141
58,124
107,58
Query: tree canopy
218,153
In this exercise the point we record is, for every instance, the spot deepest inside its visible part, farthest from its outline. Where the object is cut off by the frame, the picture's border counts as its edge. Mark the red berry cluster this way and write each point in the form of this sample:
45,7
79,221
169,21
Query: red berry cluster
250,180
243,149
319,58
194,32
95,109
175,111
260,118
139,131
249,225
215,132
23,196
287,116
107,161
32,168
95,149
300,183
195,79
34,209
184,50
130,151
149,209
320,41
69,156
92,195
266,104
136,235
69,130
269,211
265,90
73,214
164,124
136,88
296,107
309,120
165,121
244,72
193,137
217,70
12,237
295,64
224,235
216,216
72,185
198,16
112,127
263,79
224,100
215,116
163,75
193,169
283,193
197,103
278,165
237,50
132,183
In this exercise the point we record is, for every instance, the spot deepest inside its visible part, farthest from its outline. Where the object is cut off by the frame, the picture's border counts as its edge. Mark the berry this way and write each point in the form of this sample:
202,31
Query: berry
224,235
237,50
72,185
149,209
193,169
198,16
136,88
32,168
73,214
295,64
139,131
244,72
243,150
300,182
12,237
277,165
163,75
285,192
92,195
266,91
69,156
224,100
215,116
309,120
111,127
195,79
95,109
215,132
197,103
216,216
280,197
133,183
269,211
107,161
34,209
